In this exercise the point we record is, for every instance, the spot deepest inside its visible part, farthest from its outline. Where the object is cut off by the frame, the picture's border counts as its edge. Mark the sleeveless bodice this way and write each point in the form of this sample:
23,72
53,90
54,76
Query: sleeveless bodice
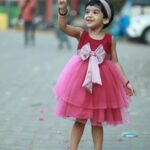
106,42
91,88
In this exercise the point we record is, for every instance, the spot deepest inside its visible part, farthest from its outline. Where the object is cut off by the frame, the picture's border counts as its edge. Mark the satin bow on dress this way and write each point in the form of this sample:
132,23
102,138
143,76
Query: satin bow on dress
95,58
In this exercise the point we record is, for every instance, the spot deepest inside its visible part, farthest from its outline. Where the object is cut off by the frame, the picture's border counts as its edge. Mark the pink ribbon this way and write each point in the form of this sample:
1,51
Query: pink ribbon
93,72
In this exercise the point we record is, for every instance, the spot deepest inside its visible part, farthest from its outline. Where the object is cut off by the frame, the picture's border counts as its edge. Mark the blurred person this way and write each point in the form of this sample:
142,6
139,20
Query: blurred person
63,39
27,14
124,23
93,87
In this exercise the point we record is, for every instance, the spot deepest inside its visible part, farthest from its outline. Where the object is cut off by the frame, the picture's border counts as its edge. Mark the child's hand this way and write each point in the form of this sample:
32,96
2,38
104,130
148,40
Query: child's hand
62,4
130,90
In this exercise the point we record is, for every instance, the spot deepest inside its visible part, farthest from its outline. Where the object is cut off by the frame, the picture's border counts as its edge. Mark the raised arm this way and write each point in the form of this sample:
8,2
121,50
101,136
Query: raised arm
115,60
62,21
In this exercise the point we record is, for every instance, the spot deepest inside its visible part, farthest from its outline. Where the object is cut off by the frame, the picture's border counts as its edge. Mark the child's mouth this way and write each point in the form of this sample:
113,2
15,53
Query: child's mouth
89,21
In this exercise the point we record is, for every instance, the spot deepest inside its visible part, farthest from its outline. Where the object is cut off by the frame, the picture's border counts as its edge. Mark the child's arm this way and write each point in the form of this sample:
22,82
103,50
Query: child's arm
115,60
62,20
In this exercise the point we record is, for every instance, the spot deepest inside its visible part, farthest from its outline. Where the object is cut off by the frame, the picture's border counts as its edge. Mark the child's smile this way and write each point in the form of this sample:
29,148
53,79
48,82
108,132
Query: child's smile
93,17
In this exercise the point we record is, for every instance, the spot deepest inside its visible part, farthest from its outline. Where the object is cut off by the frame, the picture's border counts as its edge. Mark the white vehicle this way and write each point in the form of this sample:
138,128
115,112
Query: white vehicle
138,12
139,27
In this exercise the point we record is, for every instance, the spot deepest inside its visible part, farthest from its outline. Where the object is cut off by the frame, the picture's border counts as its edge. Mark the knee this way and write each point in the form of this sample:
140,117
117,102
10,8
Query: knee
98,149
79,124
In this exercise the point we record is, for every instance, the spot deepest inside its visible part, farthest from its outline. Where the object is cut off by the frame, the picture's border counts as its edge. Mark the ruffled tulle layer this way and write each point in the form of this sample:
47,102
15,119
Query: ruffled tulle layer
106,105
97,117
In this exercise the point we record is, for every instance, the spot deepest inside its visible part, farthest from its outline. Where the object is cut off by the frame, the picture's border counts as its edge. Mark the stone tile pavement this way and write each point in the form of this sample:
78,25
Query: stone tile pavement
27,76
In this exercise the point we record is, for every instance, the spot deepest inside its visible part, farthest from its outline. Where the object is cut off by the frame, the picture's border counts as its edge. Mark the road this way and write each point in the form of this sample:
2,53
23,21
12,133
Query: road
27,77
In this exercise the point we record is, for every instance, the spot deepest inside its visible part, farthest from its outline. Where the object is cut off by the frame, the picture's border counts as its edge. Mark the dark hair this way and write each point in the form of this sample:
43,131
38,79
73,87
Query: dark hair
99,4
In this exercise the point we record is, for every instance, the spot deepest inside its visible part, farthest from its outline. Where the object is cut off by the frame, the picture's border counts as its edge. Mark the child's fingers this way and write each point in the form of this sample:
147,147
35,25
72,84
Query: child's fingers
130,90
134,92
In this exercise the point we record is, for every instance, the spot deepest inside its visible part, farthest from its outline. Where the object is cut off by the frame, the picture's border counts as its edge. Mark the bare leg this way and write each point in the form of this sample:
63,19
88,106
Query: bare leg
76,135
97,134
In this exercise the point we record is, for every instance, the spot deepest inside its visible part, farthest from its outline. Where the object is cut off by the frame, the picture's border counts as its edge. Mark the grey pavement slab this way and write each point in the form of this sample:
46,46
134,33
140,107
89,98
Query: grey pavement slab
27,77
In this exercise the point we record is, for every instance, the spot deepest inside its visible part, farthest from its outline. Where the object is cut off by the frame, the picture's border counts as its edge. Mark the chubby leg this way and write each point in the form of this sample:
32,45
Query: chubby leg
76,135
97,134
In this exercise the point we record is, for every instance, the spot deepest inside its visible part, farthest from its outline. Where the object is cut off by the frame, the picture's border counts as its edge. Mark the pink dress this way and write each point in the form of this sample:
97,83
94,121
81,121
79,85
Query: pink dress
106,101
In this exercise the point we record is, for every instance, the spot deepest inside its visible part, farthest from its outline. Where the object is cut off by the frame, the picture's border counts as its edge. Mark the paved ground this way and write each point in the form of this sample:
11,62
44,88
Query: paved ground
27,76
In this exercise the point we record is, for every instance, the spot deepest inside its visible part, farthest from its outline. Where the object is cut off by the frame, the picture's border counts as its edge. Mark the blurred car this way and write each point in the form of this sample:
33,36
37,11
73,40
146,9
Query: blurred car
139,27
134,20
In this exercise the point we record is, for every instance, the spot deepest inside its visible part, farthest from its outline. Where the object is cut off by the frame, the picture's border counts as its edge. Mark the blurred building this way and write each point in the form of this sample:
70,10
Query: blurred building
45,9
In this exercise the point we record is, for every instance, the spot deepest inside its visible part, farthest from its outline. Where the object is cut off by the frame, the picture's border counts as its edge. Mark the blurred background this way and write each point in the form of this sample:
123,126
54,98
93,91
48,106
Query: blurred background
132,17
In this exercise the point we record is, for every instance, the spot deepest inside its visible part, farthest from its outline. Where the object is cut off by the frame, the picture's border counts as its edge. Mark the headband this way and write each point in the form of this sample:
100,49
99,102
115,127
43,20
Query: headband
107,7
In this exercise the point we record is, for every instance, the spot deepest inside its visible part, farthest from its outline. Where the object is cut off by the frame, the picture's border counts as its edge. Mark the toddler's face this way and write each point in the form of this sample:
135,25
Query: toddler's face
93,16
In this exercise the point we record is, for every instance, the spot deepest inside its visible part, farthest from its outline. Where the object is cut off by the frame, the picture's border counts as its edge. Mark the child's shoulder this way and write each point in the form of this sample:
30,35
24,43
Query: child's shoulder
84,33
109,39
109,36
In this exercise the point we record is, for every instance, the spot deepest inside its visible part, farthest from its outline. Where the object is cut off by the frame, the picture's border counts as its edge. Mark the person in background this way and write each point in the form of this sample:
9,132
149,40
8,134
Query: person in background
63,39
28,8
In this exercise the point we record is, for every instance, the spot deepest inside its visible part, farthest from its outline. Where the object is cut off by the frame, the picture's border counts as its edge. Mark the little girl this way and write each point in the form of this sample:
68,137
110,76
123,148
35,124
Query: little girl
92,87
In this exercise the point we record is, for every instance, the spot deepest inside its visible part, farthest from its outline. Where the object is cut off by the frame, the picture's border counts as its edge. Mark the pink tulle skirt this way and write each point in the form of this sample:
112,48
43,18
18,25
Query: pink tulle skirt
106,105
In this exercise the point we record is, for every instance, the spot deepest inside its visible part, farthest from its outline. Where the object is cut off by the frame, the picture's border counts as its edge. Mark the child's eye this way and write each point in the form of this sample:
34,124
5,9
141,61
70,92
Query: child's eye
86,11
95,12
